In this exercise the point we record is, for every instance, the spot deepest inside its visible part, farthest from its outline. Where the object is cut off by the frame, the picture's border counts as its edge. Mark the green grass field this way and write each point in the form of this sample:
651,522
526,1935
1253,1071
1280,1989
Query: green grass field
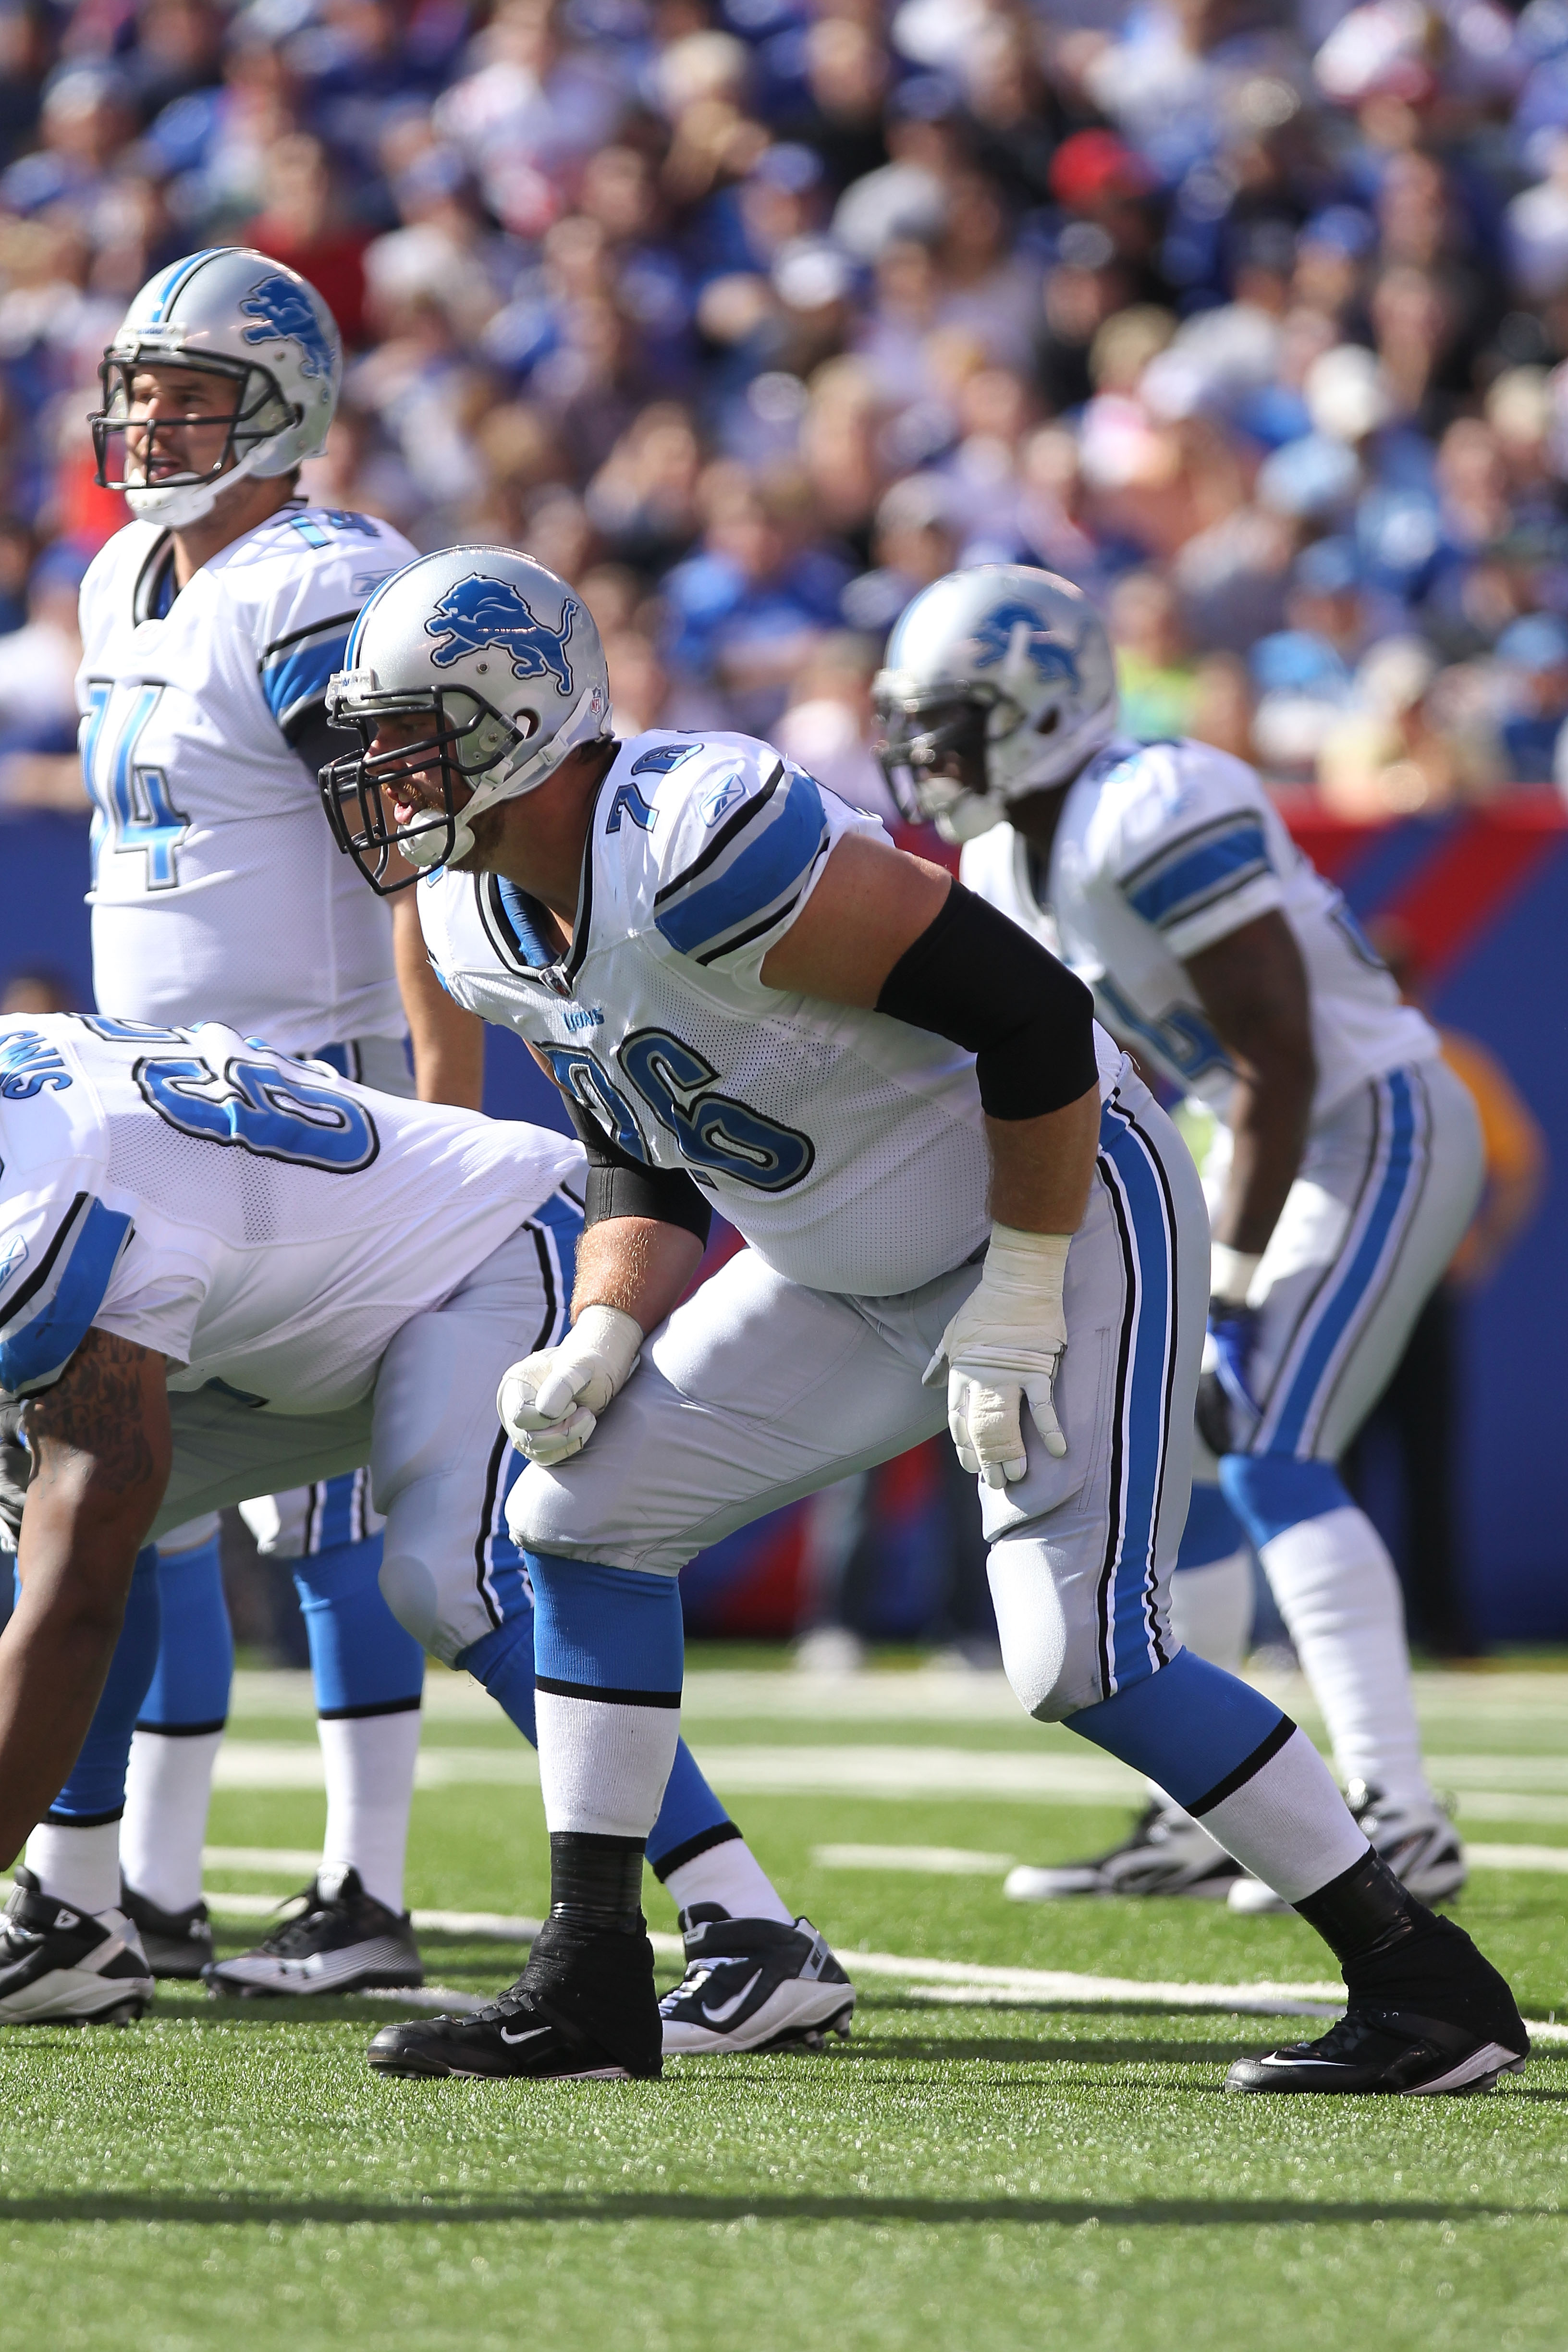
988,2161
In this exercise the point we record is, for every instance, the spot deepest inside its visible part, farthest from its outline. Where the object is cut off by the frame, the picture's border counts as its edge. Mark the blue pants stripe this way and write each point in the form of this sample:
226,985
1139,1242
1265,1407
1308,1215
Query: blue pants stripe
555,1227
1292,1418
1131,1645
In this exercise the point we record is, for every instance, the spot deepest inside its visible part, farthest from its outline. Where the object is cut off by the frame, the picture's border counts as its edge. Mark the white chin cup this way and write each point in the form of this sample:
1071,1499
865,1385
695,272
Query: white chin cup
426,848
177,505
968,817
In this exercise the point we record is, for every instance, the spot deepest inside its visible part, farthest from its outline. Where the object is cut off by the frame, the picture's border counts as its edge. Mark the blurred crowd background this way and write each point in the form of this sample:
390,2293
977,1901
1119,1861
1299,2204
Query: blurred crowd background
750,317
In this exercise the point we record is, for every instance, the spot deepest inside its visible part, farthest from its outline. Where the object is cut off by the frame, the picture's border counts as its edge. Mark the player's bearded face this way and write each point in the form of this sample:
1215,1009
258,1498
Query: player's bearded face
409,772
177,425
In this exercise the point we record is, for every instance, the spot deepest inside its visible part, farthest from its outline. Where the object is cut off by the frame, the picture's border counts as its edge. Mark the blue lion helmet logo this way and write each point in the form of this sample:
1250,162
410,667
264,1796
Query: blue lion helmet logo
994,638
481,615
284,310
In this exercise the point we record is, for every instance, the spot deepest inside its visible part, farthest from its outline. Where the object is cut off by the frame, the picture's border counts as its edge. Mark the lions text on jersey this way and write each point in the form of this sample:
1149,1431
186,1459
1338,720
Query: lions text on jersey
216,892
1162,849
265,1226
847,1147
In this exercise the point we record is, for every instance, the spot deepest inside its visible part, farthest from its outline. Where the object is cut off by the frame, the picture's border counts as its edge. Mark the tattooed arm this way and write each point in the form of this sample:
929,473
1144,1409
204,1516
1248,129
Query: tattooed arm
101,1445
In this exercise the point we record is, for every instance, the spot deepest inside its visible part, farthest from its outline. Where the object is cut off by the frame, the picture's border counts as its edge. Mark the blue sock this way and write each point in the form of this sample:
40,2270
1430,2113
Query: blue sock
363,1661
1271,1492
195,1665
503,1661
96,1788
609,1654
1213,1530
1192,1727
690,1818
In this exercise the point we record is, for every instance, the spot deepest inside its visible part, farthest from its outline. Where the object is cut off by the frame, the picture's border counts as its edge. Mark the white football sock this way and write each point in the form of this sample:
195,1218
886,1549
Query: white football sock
1288,1824
368,1762
731,1875
168,1787
80,1866
1339,1597
602,1764
1211,1610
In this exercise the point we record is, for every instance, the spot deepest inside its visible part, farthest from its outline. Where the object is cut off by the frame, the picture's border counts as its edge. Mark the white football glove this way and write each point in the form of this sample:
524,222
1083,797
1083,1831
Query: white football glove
1004,1345
551,1402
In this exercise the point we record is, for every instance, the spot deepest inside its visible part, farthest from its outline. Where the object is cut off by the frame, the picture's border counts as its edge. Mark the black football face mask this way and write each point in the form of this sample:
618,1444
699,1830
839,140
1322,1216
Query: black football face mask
933,757
464,741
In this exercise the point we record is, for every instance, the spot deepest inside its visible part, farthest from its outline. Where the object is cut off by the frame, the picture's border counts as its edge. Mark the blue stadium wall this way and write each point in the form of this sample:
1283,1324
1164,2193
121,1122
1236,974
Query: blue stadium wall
1486,899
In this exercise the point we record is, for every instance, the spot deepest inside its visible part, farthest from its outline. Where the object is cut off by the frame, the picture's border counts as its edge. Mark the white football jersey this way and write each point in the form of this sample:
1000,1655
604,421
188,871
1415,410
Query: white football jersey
218,891
1162,849
257,1220
848,1148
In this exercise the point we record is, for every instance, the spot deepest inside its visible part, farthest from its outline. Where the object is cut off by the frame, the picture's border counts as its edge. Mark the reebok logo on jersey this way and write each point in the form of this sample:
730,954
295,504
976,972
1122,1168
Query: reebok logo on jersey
1011,632
481,615
719,797
13,1253
283,309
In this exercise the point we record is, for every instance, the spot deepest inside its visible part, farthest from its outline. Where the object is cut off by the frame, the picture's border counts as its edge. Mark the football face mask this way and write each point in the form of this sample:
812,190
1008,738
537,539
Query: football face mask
422,757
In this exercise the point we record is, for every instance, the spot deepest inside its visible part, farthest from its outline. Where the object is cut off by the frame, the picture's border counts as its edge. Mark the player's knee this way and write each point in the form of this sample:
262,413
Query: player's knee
1048,1656
1271,1492
415,1597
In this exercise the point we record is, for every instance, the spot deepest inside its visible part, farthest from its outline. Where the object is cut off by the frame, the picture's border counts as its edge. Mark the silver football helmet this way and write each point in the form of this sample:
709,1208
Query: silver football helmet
506,664
999,681
272,345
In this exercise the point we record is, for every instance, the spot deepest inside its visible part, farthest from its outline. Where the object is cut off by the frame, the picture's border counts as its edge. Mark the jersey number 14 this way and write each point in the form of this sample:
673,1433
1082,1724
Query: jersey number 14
131,808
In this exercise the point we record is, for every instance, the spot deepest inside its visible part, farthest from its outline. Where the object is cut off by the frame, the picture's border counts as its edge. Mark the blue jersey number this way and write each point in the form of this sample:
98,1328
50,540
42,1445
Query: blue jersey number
132,809
273,1112
712,1128
1182,1038
589,1085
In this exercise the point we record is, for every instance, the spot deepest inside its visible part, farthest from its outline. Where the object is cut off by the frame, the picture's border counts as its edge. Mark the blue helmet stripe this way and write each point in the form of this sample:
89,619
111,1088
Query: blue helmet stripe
177,278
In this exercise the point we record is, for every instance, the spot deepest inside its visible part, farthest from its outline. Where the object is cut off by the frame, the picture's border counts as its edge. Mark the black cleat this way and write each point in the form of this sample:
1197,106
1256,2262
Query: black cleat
60,1966
753,1984
583,2010
1166,1853
178,1943
342,1940
1430,2015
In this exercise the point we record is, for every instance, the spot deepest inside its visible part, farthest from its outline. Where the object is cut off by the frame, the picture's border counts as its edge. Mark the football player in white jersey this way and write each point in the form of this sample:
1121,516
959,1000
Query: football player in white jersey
210,624
960,1199
1349,1160
219,1267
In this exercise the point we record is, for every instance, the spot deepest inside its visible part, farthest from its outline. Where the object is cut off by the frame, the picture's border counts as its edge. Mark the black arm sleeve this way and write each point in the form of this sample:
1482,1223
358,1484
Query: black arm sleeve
975,977
620,1186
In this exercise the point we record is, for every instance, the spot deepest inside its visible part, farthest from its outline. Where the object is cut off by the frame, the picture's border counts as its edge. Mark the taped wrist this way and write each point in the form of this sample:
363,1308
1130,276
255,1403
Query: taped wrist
619,1186
975,977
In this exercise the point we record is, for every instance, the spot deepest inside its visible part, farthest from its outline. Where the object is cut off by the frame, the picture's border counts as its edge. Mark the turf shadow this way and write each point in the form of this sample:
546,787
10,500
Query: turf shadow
253,2208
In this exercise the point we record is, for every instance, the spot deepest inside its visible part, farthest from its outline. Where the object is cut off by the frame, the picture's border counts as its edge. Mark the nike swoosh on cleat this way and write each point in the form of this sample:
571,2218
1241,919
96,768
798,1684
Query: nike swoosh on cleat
726,2009
532,2035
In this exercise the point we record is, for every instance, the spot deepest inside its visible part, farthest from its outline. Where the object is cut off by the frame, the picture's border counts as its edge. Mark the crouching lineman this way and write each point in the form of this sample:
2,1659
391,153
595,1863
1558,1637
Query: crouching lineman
1350,1163
959,1196
224,1270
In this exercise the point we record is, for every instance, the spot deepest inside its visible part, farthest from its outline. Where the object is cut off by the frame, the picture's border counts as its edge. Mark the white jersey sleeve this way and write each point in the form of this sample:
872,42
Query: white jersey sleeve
724,841
1185,843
